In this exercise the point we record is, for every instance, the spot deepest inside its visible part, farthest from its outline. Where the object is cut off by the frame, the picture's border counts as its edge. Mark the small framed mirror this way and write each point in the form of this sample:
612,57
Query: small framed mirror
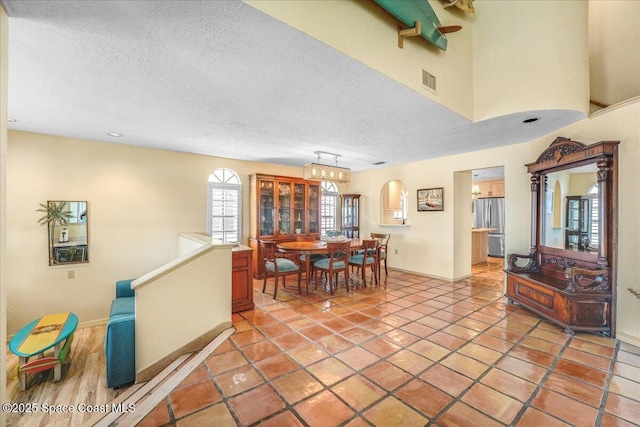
68,231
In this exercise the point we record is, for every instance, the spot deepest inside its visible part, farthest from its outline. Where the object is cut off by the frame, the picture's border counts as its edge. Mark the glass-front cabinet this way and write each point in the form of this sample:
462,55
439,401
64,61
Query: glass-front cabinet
267,207
314,208
299,208
578,223
282,209
351,215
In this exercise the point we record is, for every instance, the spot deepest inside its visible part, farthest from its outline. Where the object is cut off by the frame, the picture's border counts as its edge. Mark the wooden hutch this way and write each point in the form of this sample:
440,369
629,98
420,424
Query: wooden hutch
351,215
281,208
573,287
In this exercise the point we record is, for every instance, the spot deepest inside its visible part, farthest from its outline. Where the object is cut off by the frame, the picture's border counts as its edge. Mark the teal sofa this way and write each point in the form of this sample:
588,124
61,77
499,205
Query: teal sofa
120,339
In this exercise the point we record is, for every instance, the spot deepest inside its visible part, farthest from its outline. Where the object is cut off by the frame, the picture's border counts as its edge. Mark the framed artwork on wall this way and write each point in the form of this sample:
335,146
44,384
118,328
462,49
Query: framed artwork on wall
431,199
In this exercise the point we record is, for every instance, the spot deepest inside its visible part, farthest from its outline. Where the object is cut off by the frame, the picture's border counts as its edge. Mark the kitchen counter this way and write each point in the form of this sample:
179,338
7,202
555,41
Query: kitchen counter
480,244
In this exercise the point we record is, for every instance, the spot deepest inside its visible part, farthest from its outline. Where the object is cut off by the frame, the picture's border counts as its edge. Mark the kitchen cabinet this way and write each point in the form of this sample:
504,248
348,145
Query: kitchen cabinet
492,188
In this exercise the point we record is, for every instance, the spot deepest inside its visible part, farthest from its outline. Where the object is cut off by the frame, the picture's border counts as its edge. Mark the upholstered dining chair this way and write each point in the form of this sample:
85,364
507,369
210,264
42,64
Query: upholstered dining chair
276,265
314,257
367,257
335,263
383,250
333,233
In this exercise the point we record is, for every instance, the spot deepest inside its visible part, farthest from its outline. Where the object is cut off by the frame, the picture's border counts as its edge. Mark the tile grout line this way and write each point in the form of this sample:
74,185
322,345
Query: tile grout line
605,393
544,378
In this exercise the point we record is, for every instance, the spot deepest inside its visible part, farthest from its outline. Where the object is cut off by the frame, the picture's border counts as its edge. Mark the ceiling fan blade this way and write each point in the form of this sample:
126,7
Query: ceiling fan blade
449,29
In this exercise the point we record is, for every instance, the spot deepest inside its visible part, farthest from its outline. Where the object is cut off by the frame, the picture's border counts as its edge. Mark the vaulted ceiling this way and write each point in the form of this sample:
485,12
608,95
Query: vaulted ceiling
189,76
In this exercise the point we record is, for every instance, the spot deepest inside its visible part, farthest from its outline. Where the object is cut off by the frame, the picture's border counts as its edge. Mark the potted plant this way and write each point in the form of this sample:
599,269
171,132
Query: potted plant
55,213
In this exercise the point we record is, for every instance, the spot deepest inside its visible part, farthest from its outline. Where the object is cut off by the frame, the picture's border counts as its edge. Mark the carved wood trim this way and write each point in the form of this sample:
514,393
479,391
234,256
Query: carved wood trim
560,148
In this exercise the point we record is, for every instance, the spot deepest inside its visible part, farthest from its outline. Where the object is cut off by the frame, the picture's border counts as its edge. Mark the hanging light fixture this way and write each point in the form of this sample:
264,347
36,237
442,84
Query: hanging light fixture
475,188
321,172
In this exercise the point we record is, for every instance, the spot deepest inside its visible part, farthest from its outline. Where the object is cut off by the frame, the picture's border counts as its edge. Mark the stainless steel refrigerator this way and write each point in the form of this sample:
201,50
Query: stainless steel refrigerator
489,213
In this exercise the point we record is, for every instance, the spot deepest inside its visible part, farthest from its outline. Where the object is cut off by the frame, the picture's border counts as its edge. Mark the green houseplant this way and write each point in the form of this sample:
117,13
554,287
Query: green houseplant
55,214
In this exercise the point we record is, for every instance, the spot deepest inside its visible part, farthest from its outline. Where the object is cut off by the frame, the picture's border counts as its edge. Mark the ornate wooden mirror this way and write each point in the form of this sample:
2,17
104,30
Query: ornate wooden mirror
569,274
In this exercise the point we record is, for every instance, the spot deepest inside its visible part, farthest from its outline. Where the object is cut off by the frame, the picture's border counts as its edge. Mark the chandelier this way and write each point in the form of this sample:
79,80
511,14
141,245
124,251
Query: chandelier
321,172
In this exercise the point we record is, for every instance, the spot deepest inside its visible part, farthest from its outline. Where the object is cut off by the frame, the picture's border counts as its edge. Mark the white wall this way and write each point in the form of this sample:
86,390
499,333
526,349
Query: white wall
139,200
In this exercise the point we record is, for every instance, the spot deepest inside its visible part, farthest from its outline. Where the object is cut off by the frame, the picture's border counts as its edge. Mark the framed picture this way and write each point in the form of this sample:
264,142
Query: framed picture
431,199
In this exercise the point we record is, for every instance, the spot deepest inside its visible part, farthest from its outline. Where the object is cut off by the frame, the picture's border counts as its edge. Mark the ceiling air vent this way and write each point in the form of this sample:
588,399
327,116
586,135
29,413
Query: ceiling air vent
379,163
428,80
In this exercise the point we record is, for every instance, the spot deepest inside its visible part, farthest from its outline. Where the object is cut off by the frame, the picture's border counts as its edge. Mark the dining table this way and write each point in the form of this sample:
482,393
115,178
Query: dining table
309,248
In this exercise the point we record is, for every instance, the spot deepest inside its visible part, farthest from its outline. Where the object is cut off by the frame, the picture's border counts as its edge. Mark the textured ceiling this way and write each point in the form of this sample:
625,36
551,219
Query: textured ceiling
190,76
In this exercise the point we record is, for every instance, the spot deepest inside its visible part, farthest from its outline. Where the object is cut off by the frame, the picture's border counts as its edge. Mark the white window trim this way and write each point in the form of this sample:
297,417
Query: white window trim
216,183
329,189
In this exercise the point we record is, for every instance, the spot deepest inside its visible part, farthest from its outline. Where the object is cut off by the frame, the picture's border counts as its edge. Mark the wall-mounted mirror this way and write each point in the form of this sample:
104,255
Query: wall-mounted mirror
68,225
393,204
570,214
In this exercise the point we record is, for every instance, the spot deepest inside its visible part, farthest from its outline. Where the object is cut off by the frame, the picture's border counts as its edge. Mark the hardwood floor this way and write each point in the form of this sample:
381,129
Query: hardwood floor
83,382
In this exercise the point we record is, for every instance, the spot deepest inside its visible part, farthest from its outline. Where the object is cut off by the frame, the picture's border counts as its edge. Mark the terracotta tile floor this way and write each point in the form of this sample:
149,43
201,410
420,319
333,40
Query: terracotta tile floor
415,352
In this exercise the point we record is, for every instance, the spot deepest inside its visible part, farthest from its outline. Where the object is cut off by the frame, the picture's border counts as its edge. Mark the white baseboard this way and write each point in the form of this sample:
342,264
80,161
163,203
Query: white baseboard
629,339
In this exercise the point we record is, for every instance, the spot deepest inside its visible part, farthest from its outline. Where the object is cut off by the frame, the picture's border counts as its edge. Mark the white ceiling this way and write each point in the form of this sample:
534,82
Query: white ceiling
190,76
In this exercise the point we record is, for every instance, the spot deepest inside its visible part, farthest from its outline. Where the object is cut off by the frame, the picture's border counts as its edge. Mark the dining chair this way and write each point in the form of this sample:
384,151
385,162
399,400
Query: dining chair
383,250
333,233
335,263
276,265
368,257
314,257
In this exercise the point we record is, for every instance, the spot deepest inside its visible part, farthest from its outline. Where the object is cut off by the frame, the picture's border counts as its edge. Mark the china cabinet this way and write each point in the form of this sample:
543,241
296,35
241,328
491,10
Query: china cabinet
351,215
578,223
573,287
281,208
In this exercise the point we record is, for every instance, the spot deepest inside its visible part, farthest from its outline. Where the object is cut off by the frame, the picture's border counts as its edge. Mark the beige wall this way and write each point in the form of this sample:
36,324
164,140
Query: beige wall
139,199
580,183
504,59
614,37
182,303
433,241
3,198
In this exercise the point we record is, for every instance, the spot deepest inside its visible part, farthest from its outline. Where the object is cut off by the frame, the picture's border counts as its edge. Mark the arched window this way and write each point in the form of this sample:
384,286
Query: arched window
224,206
329,206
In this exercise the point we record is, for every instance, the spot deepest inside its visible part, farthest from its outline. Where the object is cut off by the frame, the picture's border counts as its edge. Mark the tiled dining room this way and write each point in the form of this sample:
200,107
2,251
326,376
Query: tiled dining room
412,351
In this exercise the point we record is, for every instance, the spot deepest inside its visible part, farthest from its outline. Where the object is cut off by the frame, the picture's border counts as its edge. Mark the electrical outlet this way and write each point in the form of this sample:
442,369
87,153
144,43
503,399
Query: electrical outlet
395,252
71,274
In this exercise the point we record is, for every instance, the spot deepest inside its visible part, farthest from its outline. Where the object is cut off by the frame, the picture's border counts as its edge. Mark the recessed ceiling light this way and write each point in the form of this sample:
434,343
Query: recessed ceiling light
114,134
530,120
11,119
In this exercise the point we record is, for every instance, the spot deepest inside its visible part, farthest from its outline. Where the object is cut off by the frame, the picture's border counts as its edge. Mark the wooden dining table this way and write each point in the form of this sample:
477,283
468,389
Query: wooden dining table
311,247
